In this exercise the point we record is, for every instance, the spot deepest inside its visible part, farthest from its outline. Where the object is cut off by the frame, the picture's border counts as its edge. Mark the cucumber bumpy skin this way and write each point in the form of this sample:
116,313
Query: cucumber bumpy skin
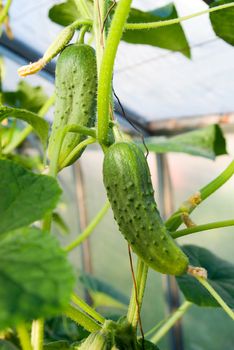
75,103
129,188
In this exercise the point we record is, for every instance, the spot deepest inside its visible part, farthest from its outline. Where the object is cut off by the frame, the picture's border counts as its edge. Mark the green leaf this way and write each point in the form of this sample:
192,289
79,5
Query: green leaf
208,142
147,345
59,221
63,328
220,276
170,37
40,125
26,97
66,12
6,345
103,294
57,345
223,21
33,162
36,279
25,196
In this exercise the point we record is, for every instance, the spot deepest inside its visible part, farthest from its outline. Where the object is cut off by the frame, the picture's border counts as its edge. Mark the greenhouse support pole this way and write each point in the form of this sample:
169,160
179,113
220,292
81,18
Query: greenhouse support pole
166,208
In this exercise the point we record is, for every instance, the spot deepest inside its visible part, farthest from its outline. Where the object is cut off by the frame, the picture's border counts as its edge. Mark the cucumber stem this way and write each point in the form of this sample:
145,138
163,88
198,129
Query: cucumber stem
171,321
215,295
60,135
24,337
37,334
153,25
86,308
76,151
82,319
188,206
138,294
200,228
82,33
89,229
107,65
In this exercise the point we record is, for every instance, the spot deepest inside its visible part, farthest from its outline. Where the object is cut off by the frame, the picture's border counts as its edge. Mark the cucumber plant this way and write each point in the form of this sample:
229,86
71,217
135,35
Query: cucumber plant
37,281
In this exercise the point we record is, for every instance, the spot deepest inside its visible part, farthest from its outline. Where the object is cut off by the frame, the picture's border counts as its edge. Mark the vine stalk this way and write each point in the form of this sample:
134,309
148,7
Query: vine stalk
137,293
216,296
188,206
171,321
24,337
88,309
200,228
89,228
107,65
82,319
37,334
153,25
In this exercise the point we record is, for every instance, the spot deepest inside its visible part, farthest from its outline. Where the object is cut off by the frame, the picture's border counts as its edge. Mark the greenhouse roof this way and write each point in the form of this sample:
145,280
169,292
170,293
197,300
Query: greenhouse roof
151,82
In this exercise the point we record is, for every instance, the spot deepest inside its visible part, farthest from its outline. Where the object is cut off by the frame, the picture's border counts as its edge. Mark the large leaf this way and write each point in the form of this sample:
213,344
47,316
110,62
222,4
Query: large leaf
36,279
66,12
25,196
220,276
26,97
6,345
147,345
208,142
223,21
57,345
40,125
103,294
170,37
63,328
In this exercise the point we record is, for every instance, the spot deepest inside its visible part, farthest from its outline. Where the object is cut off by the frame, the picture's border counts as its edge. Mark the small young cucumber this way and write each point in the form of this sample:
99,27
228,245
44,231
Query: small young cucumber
75,103
129,188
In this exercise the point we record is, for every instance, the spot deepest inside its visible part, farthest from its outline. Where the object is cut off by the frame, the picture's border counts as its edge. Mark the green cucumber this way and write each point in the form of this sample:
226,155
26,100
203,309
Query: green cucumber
75,103
129,188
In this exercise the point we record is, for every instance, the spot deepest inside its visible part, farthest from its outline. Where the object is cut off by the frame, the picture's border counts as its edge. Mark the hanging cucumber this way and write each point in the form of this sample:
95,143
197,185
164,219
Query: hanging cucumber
130,192
75,103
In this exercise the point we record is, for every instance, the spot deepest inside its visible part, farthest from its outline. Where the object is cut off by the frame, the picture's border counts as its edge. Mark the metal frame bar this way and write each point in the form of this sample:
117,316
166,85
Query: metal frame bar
19,52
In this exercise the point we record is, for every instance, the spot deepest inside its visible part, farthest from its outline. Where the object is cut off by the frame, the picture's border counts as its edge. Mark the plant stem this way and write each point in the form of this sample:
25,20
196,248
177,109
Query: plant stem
76,151
99,36
171,321
24,337
200,228
86,233
82,33
107,64
153,25
61,133
215,295
141,277
37,334
82,319
88,309
4,11
26,131
188,206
